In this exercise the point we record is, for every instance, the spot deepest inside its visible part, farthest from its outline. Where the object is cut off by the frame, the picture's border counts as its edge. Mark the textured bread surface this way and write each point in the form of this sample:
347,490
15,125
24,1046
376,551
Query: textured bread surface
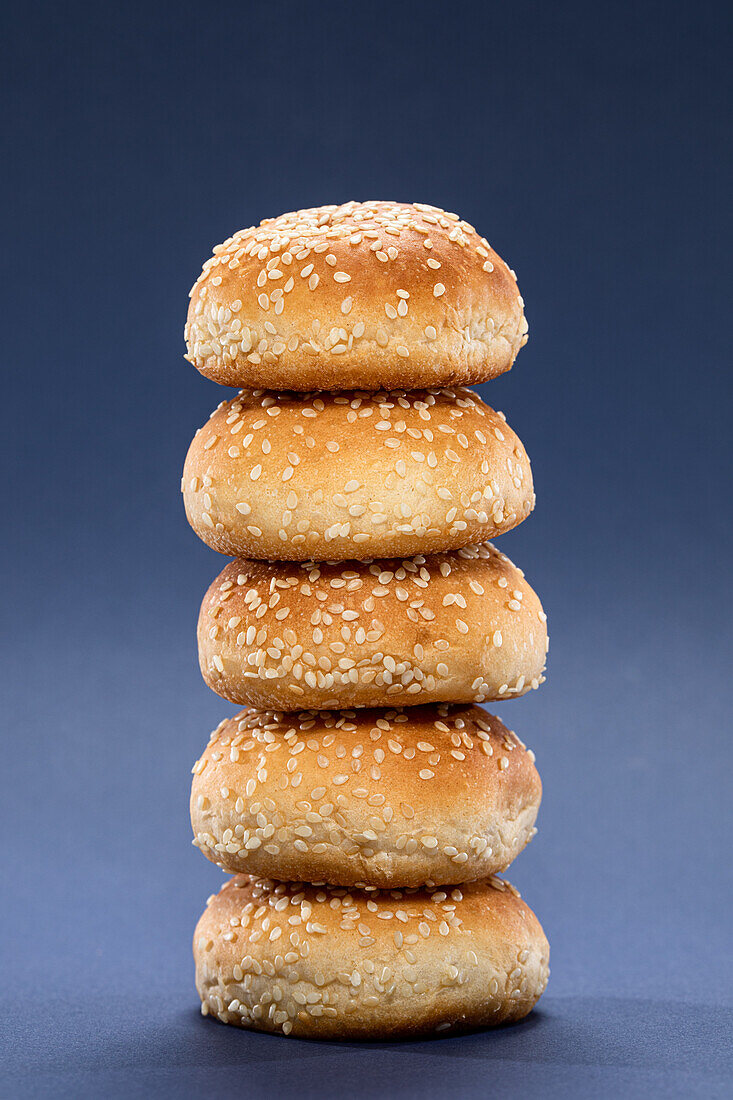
455,627
426,795
324,962
370,295
337,476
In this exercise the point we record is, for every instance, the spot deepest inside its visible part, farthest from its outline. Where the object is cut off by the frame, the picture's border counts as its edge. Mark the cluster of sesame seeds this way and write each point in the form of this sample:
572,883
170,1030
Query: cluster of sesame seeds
344,771
240,303
358,628
443,464
280,934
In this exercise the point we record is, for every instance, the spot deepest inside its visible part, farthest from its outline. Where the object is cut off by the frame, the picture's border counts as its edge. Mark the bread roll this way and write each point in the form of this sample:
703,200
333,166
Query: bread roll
387,798
341,476
322,962
458,627
364,295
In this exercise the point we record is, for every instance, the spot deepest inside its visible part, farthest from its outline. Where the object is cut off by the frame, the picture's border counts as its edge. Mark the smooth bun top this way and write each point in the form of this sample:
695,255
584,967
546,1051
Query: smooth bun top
319,961
337,476
384,797
364,295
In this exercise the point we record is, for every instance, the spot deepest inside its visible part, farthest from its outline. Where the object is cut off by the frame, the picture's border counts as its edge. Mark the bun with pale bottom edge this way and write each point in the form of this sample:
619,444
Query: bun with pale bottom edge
322,962
390,798
458,627
354,475
365,295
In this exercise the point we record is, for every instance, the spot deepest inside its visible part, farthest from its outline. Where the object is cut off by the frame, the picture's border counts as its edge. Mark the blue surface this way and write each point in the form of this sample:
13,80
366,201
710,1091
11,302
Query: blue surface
589,143
585,1047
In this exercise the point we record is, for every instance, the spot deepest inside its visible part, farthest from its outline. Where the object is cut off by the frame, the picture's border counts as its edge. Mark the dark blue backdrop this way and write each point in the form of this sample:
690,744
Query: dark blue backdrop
588,142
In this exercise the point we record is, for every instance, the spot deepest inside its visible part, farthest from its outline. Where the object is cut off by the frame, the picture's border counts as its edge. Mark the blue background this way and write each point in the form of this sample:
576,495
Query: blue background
588,142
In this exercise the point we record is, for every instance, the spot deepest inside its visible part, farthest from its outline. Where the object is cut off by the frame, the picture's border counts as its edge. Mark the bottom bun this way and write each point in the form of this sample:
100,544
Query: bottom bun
326,962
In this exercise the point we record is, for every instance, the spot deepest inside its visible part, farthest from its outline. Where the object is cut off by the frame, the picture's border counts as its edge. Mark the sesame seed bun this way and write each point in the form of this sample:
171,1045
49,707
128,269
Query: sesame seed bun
365,295
458,627
388,798
357,475
321,962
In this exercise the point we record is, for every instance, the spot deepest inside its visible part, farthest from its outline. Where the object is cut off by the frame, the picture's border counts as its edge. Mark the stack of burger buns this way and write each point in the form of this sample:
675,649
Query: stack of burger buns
362,801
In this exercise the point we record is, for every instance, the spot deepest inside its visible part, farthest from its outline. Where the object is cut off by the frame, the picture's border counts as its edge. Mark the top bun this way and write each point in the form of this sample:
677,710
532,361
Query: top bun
365,295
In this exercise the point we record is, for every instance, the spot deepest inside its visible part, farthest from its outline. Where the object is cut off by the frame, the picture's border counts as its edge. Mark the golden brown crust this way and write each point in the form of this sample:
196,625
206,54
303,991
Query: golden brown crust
458,627
389,798
356,475
365,295
321,962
